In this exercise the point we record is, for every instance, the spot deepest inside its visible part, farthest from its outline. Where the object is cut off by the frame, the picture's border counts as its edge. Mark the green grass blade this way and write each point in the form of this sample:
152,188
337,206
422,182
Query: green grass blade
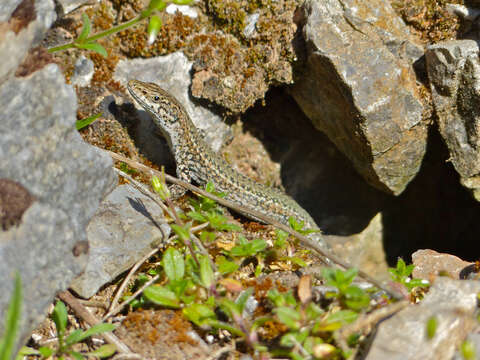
12,321
80,124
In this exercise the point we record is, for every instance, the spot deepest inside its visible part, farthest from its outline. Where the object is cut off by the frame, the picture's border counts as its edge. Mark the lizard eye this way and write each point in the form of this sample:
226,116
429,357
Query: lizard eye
156,98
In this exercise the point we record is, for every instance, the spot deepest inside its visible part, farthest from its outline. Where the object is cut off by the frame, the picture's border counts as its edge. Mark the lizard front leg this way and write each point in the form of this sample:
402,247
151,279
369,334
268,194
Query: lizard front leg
177,191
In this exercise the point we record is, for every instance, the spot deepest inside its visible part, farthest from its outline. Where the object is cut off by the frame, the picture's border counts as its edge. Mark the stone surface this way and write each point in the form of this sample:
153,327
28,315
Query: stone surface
68,6
41,150
126,227
185,10
172,73
318,177
454,72
463,12
6,8
234,66
452,302
359,88
363,250
25,28
429,264
474,339
83,72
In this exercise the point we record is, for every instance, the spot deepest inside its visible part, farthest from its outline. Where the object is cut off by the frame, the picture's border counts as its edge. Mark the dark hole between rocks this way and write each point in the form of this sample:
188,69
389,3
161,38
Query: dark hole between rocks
434,212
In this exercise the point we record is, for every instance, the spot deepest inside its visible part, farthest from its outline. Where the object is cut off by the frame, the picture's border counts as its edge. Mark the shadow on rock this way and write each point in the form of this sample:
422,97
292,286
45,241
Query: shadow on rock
435,211
314,172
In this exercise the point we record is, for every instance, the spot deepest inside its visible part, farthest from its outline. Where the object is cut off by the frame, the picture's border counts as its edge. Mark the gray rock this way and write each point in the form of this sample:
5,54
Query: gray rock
251,20
41,149
454,72
7,7
68,6
463,12
46,253
26,28
185,10
452,302
172,72
321,180
126,227
359,88
83,71
474,339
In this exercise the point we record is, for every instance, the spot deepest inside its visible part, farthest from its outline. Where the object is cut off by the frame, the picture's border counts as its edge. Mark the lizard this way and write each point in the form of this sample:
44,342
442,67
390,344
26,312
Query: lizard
197,162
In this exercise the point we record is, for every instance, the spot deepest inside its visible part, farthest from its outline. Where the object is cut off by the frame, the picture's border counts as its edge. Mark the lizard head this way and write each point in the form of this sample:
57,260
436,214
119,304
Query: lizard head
167,113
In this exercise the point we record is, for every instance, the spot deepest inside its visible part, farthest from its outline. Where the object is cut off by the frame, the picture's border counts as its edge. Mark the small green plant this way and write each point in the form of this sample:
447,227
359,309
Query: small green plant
65,343
349,295
402,274
431,328
80,124
280,239
159,185
212,297
12,321
306,325
207,210
226,266
84,41
179,288
300,227
246,248
467,349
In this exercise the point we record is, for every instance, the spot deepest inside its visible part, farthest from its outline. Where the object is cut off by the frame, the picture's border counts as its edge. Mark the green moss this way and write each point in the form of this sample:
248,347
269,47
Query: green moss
429,18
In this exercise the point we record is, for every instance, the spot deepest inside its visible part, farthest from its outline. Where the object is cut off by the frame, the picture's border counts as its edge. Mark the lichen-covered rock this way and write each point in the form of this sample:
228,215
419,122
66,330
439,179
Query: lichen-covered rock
359,88
429,264
41,149
454,72
23,27
252,49
60,182
51,181
7,7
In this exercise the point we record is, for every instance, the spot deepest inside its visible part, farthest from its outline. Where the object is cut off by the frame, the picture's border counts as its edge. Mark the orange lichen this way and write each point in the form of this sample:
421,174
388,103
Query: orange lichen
151,325
429,18
181,326
273,329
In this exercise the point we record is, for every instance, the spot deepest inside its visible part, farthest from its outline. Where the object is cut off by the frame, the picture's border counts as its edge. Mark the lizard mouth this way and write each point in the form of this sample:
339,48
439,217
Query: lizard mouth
133,89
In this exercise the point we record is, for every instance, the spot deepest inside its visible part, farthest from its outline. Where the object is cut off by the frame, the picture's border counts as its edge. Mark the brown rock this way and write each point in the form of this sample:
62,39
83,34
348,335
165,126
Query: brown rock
429,263
360,90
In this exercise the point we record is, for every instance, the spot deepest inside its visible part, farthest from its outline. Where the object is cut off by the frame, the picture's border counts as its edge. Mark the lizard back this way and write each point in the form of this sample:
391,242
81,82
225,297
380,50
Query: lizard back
198,162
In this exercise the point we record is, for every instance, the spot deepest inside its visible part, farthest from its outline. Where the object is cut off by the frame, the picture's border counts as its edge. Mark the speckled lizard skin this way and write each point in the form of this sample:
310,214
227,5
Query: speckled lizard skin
198,163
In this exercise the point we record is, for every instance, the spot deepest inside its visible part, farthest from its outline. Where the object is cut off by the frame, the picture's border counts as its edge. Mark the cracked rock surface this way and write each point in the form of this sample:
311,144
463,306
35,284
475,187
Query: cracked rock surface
358,87
454,73
58,178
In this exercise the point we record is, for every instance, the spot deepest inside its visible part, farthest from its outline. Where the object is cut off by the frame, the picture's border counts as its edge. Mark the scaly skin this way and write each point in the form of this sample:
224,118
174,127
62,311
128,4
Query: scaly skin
196,161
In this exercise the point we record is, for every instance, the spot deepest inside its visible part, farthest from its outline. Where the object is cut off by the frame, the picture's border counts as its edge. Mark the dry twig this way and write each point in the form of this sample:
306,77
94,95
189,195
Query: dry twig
91,320
305,241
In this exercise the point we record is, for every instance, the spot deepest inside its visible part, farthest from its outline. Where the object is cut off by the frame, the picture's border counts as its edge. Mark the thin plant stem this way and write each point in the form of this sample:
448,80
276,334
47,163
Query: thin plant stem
138,264
131,298
100,35
91,320
307,242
